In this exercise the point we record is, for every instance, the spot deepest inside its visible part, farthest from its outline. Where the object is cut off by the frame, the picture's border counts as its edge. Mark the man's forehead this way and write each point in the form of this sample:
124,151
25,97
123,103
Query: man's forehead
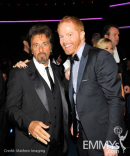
68,24
67,27
113,29
39,37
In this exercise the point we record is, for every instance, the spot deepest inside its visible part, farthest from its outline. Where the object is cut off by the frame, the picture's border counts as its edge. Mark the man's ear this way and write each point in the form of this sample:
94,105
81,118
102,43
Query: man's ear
82,35
51,49
106,36
25,42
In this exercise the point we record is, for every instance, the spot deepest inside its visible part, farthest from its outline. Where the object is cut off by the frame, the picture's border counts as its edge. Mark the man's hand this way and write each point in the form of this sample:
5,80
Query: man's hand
109,152
21,64
36,128
71,130
127,89
67,75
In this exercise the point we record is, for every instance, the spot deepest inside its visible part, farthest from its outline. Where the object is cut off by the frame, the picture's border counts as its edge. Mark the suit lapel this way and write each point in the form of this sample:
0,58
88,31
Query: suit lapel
37,82
81,71
82,65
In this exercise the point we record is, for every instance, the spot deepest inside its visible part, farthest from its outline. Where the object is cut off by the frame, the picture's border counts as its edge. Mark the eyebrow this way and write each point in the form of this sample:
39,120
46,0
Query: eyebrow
42,42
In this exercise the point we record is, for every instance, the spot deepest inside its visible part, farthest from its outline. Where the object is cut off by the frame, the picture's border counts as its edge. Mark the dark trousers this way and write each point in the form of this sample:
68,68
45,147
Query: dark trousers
55,149
86,152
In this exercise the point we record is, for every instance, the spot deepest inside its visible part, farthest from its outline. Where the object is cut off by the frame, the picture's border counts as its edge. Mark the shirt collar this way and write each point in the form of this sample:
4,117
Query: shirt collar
80,51
115,49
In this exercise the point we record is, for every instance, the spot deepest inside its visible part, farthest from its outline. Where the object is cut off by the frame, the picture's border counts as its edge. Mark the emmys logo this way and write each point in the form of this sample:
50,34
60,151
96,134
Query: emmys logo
118,130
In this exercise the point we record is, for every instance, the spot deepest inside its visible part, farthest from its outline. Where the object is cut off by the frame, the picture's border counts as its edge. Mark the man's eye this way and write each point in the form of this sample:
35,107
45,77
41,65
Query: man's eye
106,48
70,34
35,45
61,36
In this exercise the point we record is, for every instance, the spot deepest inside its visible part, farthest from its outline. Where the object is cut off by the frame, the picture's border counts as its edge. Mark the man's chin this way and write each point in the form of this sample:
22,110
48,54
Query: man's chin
68,52
116,43
42,61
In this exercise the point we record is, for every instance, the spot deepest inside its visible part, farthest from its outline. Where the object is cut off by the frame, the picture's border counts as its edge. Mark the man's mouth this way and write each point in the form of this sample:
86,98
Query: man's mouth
68,46
41,54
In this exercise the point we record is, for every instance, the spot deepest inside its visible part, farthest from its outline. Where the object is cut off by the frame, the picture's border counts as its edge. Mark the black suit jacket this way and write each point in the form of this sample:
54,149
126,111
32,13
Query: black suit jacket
27,101
99,102
122,66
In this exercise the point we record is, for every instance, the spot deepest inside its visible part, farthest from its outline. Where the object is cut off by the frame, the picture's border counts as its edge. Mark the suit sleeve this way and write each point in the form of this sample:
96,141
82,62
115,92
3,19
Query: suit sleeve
126,81
108,78
14,102
123,62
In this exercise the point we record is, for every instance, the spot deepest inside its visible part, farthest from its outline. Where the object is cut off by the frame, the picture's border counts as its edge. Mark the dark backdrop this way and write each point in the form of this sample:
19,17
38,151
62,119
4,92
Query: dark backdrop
10,33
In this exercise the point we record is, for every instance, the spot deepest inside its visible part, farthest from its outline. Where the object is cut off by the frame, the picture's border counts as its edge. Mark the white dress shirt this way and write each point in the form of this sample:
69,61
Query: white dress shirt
116,56
42,71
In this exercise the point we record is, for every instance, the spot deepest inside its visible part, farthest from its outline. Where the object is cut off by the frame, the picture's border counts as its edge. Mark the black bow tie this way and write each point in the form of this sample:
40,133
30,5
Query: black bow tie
74,58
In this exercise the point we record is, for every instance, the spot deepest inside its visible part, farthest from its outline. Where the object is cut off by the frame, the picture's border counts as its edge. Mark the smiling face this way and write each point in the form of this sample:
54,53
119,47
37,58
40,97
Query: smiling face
70,39
41,48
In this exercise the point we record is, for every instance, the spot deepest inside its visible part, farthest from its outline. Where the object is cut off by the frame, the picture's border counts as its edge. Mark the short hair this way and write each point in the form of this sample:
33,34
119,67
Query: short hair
76,21
103,42
40,29
107,28
96,37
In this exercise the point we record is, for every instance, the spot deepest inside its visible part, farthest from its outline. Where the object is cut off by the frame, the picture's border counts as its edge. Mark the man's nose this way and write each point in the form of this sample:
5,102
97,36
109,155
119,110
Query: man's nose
65,39
41,48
